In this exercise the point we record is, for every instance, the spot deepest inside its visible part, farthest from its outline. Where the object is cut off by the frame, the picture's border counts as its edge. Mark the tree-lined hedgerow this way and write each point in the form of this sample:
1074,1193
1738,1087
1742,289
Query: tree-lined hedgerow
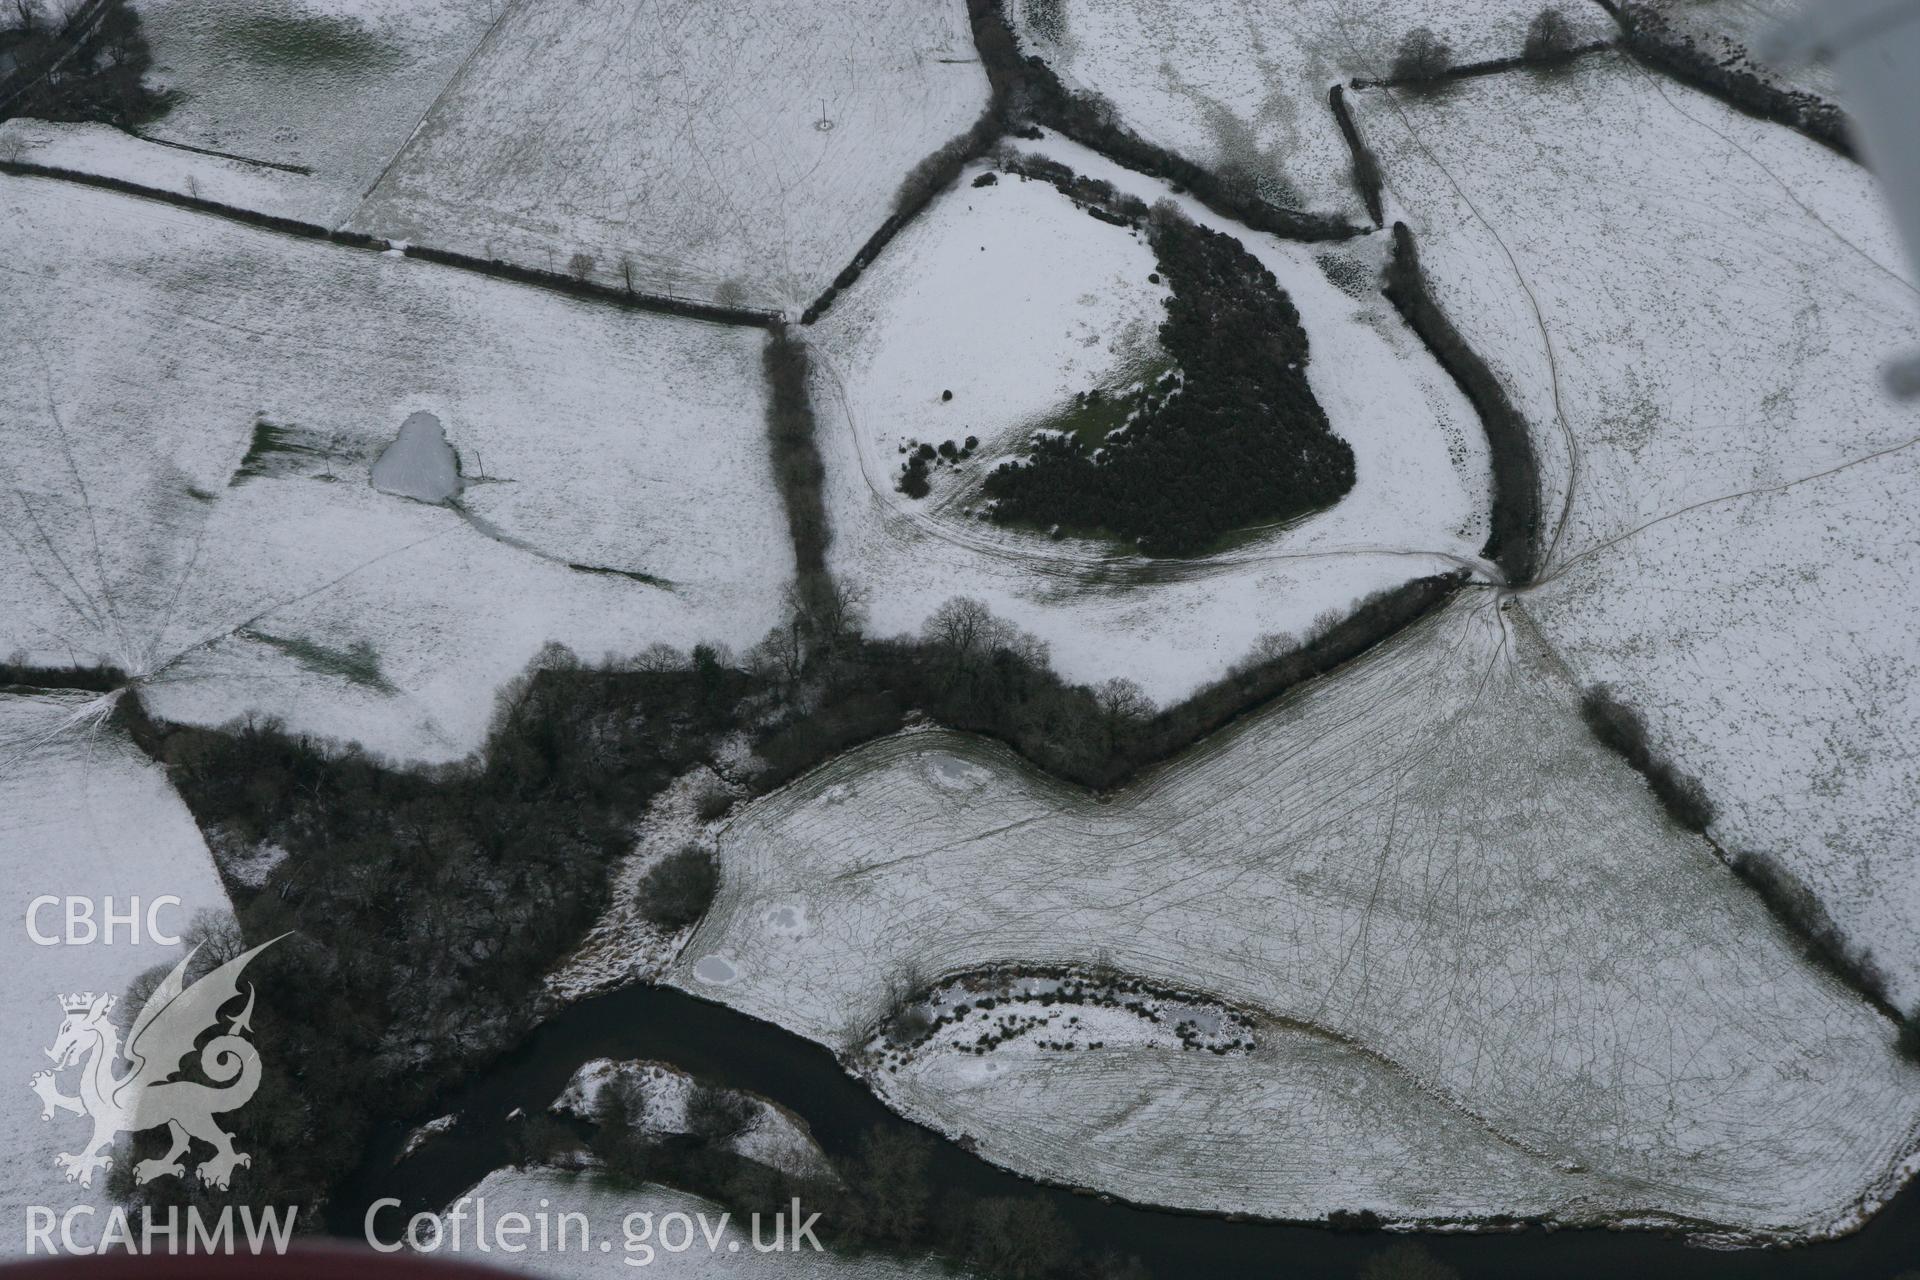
1027,89
17,670
1550,38
938,171
1424,63
974,671
1821,939
1024,89
1624,730
499,269
1731,78
1422,60
1512,542
1236,440
80,62
797,469
1095,195
1366,167
933,174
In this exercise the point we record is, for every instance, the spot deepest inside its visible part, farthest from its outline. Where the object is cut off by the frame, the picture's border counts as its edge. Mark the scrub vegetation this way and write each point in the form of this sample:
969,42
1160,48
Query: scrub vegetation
677,890
425,905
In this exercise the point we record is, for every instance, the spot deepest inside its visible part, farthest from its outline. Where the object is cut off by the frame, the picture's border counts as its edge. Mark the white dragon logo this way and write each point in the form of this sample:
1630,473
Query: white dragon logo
173,1018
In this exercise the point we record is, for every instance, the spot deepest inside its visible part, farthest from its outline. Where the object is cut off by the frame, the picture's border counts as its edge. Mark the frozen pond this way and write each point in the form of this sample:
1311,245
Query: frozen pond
951,773
419,464
715,970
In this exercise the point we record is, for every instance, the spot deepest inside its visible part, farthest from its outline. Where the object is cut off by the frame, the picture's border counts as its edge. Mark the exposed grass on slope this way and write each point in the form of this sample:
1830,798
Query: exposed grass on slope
304,40
277,450
1098,412
358,663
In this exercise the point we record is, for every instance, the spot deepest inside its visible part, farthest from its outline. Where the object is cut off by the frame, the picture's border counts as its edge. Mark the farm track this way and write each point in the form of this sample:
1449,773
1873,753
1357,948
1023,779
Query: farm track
1568,441
506,10
1795,220
1084,562
1565,567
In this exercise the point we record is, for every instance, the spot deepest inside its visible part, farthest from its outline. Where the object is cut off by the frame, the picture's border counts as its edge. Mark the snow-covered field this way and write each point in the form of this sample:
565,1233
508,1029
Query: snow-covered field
153,523
83,814
651,1227
1698,343
739,151
331,86
1242,85
1410,940
111,153
1486,974
1014,300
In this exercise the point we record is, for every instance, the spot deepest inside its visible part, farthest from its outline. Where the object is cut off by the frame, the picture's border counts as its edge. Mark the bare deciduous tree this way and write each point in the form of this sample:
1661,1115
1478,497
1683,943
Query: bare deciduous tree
213,937
965,631
1122,701
717,1116
657,658
620,1137
1550,38
1423,58
781,655
830,613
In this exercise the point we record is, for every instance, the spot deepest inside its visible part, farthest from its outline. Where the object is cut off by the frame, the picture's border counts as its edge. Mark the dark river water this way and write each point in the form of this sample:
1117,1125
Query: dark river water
730,1048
